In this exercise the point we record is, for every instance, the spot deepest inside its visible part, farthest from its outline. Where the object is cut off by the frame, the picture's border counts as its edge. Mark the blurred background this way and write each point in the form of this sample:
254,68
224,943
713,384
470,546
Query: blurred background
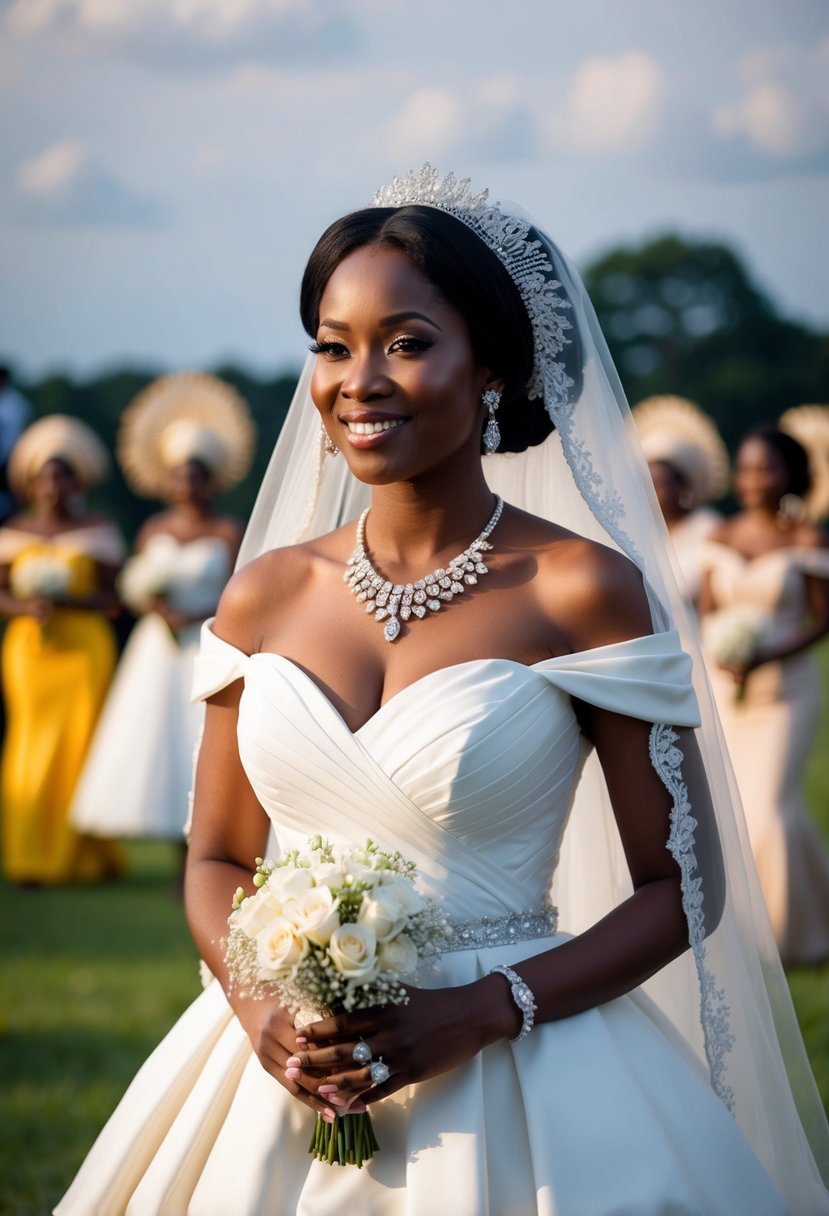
167,167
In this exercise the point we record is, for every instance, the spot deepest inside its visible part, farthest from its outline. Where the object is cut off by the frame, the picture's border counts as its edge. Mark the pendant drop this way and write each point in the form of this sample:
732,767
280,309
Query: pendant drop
392,629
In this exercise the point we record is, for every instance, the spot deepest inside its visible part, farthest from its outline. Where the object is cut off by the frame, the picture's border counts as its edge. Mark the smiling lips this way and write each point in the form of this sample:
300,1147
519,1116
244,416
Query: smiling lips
370,432
373,428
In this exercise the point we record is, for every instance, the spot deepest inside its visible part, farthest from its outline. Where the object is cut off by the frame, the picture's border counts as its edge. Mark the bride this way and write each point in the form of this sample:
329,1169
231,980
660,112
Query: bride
571,1063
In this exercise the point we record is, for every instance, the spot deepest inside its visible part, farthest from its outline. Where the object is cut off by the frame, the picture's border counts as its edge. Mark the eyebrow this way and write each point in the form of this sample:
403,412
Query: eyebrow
393,319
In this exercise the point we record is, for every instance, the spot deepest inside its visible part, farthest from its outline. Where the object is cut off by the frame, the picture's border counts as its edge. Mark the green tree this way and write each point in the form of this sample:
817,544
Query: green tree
684,316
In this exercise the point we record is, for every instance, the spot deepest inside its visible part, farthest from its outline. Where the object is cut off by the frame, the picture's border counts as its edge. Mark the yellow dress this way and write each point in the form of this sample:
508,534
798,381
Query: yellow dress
55,677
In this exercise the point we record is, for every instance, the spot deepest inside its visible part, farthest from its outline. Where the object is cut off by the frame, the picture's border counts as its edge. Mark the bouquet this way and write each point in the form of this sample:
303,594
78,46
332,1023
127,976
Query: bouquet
39,574
329,932
143,579
733,636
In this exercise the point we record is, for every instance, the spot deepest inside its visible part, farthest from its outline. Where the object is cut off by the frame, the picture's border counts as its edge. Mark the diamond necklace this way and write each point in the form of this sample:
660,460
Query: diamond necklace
396,602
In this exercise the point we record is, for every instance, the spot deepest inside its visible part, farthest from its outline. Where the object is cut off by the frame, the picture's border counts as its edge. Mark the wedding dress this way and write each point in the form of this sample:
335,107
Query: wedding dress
770,733
138,773
469,771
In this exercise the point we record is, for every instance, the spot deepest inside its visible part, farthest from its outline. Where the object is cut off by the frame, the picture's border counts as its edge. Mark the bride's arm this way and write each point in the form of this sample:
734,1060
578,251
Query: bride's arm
230,829
441,1028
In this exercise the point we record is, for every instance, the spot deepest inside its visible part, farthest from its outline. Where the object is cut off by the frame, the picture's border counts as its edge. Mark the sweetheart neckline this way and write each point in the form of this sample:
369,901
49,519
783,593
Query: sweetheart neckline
355,733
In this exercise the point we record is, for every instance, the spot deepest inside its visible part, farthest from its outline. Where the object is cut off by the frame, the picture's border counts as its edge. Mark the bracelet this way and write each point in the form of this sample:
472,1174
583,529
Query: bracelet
522,995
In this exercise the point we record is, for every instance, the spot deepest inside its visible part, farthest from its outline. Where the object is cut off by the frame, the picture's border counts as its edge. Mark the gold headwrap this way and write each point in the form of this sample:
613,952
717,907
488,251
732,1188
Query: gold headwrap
57,437
186,416
809,425
676,430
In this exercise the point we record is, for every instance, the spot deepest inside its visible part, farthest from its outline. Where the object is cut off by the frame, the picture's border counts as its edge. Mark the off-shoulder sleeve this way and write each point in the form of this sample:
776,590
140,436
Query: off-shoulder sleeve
814,561
217,664
647,678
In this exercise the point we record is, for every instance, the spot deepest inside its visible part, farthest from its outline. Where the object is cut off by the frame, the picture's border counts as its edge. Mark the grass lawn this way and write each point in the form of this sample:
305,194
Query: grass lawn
92,979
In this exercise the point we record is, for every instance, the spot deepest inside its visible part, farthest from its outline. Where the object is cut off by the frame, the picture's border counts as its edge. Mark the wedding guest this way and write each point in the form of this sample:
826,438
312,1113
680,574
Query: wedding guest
58,562
186,438
765,602
15,415
688,462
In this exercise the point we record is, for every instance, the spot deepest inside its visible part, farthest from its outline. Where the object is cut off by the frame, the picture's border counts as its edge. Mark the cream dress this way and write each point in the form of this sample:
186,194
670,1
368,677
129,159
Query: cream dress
471,772
138,774
770,733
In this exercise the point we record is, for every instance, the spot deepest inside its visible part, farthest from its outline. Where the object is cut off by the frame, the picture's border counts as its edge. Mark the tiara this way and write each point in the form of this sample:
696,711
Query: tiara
525,259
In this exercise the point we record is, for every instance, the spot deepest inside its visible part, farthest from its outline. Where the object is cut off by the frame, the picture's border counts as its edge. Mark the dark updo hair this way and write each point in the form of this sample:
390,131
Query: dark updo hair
469,276
794,456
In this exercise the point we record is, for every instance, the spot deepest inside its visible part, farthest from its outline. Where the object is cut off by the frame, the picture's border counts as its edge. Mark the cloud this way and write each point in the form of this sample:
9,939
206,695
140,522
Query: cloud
613,104
191,34
783,111
64,185
489,122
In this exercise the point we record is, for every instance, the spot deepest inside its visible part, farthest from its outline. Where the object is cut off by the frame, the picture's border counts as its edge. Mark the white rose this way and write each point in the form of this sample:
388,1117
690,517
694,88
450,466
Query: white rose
408,897
257,912
381,912
353,951
329,874
278,949
315,915
287,882
399,955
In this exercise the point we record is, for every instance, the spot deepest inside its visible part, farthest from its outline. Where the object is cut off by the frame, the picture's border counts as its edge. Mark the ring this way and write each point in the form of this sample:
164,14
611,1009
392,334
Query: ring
379,1072
361,1053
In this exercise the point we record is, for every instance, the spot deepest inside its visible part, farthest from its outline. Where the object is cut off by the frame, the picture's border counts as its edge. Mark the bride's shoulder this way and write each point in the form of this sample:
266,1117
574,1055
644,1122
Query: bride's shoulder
273,583
593,594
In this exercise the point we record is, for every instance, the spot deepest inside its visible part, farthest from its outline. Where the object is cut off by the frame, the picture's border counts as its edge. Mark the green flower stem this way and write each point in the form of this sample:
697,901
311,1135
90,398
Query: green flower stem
349,1140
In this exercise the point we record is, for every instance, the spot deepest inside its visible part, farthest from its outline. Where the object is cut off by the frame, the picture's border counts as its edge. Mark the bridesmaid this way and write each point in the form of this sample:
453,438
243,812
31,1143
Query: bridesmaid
688,463
765,598
186,438
58,563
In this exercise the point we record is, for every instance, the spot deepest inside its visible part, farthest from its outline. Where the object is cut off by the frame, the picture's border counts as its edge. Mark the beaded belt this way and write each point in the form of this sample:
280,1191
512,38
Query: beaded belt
503,930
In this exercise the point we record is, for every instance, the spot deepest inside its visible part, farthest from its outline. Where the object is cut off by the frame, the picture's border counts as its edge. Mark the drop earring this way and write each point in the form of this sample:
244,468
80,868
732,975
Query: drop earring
492,434
329,447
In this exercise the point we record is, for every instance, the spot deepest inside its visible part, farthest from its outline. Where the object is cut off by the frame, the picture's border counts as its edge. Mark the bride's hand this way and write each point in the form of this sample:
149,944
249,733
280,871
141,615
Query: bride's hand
273,1037
436,1031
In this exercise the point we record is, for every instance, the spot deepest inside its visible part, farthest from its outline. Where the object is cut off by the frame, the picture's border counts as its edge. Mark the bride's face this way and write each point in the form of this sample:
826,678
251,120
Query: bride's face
396,380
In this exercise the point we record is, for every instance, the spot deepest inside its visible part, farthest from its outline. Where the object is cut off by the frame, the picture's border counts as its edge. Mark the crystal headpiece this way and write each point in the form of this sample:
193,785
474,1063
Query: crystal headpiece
525,260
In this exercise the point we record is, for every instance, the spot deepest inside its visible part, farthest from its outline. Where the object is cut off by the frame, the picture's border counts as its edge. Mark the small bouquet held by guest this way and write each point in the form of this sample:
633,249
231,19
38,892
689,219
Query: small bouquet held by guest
144,578
329,932
733,637
40,574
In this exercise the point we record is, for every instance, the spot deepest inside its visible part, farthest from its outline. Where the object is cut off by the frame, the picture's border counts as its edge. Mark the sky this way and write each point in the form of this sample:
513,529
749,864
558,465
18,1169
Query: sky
167,165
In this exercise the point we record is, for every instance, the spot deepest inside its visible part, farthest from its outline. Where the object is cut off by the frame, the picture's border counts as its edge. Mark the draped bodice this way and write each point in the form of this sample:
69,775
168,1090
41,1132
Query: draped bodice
470,770
772,583
197,570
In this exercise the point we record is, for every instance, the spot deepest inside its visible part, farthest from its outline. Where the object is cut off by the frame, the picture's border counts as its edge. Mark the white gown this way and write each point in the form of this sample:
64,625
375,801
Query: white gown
470,771
139,770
